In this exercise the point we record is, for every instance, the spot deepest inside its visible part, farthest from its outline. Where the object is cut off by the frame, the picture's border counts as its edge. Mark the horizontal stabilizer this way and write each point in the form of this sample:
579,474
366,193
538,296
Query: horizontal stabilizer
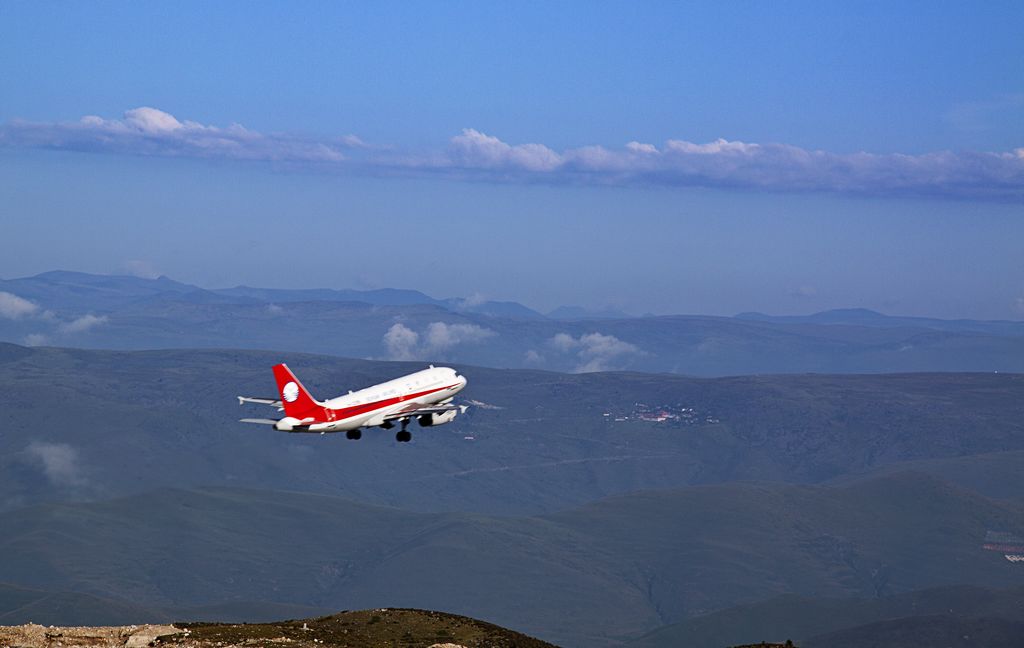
276,402
260,421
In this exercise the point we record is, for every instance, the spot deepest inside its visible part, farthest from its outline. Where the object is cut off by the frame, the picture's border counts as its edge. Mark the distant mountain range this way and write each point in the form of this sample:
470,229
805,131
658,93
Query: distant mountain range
870,318
60,289
121,312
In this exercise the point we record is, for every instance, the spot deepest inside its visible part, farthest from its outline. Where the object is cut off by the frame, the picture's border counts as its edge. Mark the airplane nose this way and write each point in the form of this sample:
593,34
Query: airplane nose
462,381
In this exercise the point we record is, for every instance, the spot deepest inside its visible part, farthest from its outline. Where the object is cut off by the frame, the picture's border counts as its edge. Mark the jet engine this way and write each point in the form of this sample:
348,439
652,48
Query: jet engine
439,418
287,424
290,423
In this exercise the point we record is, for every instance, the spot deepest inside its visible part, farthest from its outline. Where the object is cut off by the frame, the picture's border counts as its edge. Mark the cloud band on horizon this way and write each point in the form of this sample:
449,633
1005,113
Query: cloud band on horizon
721,164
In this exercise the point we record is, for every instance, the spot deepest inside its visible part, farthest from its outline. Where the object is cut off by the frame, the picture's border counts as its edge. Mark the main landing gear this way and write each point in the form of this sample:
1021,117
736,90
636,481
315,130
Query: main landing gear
403,435
354,435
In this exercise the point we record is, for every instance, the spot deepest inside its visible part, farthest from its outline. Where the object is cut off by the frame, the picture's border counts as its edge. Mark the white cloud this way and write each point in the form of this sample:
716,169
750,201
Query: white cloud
150,120
36,339
59,461
473,149
83,323
403,343
150,131
14,307
720,163
141,269
471,302
637,147
534,358
564,342
743,165
599,351
596,351
441,336
711,148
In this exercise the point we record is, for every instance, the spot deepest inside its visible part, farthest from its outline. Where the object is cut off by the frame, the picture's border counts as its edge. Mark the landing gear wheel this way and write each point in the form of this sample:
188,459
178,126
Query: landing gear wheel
354,435
404,436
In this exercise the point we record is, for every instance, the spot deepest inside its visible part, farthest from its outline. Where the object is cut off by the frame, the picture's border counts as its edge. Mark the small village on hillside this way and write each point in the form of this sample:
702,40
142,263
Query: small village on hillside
676,415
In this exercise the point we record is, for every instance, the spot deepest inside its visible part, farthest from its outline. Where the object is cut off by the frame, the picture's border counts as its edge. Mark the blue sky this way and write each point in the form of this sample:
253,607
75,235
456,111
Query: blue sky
657,157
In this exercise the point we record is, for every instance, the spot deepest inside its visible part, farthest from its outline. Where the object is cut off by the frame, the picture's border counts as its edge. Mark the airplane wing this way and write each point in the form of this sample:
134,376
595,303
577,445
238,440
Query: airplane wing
260,421
276,402
414,410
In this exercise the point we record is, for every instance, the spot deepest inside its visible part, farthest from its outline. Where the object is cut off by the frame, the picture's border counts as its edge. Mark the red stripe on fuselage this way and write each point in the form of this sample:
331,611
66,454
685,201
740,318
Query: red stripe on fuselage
322,416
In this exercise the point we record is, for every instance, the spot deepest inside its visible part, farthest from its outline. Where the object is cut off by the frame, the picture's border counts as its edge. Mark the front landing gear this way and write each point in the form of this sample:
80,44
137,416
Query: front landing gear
354,435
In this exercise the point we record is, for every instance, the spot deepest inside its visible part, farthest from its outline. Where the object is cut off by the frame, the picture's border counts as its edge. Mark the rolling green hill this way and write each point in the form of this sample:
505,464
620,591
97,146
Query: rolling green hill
933,630
586,577
826,622
23,604
368,629
996,474
94,424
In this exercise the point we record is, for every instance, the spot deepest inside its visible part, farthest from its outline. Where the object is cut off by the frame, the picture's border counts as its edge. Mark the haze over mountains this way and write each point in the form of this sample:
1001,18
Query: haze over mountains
558,505
590,508
542,441
121,312
585,577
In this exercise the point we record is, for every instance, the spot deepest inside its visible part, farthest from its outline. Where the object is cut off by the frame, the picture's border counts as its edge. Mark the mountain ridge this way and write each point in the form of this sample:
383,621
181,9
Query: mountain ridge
121,312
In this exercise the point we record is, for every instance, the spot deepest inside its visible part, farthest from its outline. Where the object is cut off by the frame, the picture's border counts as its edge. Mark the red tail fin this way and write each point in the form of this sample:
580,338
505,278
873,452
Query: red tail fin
296,399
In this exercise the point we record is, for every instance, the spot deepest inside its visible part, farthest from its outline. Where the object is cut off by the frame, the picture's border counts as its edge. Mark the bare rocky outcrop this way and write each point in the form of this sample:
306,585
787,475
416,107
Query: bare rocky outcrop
356,629
33,635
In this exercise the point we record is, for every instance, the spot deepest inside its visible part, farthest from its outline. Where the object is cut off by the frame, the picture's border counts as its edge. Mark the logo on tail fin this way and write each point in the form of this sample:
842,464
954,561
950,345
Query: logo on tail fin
296,399
290,392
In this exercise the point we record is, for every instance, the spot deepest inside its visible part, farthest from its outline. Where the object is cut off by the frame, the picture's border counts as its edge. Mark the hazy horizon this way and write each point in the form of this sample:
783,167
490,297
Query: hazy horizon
140,270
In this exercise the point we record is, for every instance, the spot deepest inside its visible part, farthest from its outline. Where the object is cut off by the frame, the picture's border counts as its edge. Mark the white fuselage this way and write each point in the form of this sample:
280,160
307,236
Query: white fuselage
370,406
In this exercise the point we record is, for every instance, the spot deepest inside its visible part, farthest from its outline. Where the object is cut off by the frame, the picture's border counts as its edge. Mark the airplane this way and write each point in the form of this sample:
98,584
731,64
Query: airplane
425,396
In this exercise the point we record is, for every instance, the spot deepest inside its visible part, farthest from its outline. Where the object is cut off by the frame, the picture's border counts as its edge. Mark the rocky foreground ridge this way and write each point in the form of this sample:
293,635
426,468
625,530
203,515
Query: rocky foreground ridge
393,628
